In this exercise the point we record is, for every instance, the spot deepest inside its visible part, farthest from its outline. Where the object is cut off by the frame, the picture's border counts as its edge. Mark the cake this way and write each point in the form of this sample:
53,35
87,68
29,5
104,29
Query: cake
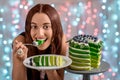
47,60
38,42
85,52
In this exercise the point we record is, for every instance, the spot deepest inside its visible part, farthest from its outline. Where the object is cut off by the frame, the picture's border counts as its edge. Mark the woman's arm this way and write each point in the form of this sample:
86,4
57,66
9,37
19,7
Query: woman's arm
19,70
58,74
64,46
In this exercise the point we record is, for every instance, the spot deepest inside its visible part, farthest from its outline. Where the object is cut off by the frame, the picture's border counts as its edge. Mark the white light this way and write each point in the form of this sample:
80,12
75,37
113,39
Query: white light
78,19
1,19
80,32
21,6
4,42
25,7
1,35
117,33
1,10
103,7
53,5
106,25
104,1
104,31
5,71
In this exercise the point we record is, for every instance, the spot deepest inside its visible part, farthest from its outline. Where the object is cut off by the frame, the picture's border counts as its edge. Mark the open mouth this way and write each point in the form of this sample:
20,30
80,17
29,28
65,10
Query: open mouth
39,42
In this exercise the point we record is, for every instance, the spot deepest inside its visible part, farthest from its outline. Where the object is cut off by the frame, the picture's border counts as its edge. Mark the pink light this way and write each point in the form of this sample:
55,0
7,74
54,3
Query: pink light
113,74
94,16
88,11
67,3
82,26
96,30
95,33
69,26
69,13
68,35
66,19
63,8
69,30
24,2
95,10
93,23
96,77
88,20
102,76
89,4
110,70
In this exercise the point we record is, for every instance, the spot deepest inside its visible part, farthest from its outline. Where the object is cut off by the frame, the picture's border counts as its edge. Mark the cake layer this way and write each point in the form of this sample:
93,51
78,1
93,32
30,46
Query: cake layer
81,60
72,49
95,44
79,55
79,45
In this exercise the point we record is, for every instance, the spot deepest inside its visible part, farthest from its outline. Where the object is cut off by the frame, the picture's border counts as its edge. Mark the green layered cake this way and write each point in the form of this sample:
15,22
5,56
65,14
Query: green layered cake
47,60
85,52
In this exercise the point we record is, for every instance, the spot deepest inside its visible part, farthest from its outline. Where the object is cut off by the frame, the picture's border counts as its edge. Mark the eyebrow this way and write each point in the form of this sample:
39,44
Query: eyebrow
43,24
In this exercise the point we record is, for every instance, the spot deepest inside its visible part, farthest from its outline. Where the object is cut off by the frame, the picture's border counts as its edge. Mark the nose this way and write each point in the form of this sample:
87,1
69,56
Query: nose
40,33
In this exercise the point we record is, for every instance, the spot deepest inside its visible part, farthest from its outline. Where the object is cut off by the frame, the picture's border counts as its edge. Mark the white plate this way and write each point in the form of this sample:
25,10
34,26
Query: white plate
67,62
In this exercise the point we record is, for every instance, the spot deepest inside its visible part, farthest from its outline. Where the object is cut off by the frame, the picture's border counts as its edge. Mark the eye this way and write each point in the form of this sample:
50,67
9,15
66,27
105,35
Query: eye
33,26
46,27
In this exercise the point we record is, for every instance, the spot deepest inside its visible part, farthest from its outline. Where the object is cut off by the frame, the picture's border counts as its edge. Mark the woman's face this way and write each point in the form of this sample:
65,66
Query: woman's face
41,29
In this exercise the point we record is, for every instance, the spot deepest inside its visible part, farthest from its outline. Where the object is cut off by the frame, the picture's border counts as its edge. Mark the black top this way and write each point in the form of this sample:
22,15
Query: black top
31,73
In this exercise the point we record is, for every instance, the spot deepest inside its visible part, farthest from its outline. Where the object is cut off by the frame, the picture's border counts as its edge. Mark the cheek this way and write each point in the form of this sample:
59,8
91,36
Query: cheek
32,33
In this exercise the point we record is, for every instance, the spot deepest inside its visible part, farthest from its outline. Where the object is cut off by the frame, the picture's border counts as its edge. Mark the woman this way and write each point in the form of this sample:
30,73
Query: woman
42,22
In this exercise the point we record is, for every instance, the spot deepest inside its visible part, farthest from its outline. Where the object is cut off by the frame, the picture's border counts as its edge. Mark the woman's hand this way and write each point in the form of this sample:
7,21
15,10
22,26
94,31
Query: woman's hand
19,50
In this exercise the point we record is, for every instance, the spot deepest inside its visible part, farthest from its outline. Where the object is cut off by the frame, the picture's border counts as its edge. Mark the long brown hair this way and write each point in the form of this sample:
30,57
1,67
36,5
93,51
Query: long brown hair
56,43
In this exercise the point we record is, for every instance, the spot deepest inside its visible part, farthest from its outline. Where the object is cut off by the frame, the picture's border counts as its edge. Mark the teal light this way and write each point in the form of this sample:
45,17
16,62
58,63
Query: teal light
114,48
115,56
109,8
1,35
1,19
6,58
115,26
80,4
1,10
4,27
6,49
114,17
117,40
74,23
